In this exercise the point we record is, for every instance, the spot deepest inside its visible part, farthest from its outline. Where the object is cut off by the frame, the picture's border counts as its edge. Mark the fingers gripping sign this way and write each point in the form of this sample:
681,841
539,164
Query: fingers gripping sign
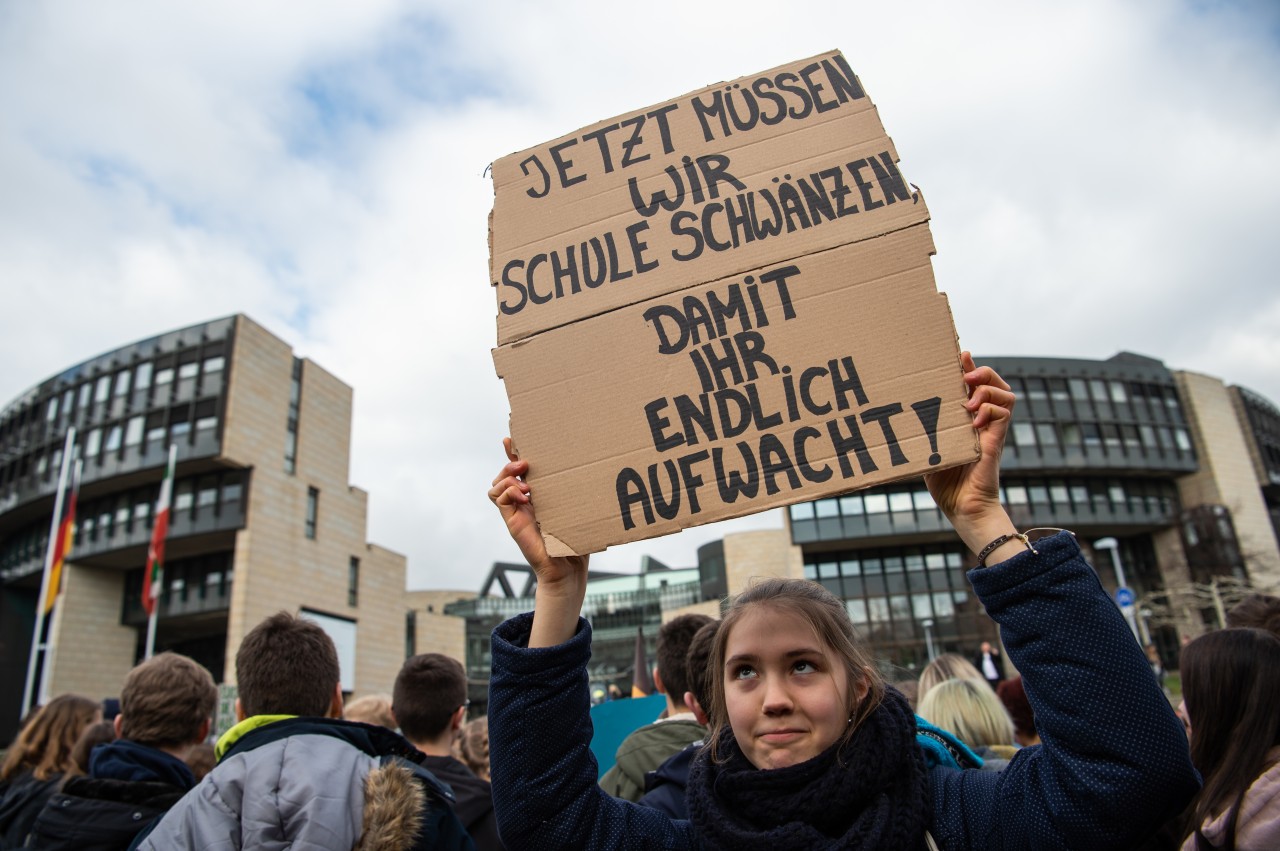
562,581
970,494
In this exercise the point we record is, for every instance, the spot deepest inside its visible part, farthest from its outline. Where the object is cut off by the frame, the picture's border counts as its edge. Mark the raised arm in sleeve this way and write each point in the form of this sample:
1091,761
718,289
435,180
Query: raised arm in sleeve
1114,763
544,774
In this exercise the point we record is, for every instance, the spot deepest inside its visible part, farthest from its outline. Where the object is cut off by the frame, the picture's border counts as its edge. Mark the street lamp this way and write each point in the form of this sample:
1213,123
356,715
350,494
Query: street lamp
1124,595
927,623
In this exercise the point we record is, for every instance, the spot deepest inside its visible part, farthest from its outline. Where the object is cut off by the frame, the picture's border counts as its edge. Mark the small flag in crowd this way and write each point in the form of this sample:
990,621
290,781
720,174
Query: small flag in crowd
641,683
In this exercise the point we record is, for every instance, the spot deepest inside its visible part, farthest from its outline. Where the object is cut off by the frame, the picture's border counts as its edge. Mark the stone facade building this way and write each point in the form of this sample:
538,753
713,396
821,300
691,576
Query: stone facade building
264,517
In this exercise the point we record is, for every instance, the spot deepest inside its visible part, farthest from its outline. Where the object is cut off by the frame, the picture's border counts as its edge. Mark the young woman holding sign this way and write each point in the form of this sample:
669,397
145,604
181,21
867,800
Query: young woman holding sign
809,748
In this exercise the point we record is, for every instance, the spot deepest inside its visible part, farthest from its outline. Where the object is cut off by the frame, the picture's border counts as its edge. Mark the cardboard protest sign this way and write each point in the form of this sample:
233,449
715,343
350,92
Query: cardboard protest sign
719,305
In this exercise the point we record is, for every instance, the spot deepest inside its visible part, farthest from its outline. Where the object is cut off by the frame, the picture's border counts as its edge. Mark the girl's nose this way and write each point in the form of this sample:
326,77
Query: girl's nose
777,697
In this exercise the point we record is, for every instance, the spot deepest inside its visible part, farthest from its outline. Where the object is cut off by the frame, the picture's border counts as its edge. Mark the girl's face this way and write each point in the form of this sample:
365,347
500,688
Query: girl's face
787,693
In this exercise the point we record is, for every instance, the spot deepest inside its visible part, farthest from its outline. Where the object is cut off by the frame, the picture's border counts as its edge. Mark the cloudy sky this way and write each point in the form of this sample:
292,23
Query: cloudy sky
1102,176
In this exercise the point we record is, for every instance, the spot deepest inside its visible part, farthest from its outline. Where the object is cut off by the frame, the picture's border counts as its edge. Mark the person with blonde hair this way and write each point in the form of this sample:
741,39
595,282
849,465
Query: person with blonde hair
37,761
371,709
970,709
948,666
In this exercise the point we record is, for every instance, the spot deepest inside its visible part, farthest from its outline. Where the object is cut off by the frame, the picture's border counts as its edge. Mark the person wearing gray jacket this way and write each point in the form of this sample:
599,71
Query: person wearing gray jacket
292,774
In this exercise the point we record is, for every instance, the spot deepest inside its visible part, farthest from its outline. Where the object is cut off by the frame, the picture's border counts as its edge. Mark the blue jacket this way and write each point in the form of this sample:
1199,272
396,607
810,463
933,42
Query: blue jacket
1114,762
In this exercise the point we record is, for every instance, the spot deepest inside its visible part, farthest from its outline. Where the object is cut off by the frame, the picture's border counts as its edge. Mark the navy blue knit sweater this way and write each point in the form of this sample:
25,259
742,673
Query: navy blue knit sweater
1114,762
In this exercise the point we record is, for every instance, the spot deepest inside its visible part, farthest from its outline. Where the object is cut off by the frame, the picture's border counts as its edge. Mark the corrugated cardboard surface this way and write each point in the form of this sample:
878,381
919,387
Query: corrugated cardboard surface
813,290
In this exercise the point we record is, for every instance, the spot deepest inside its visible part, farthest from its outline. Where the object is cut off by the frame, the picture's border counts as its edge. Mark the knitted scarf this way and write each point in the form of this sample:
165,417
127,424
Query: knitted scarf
871,794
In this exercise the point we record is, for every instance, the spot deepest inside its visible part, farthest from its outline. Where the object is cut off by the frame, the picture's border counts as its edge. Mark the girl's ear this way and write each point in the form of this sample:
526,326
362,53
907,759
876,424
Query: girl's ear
862,685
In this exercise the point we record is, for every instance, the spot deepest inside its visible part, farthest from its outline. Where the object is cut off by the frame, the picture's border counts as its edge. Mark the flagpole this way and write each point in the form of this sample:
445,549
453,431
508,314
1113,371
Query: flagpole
51,642
54,529
151,587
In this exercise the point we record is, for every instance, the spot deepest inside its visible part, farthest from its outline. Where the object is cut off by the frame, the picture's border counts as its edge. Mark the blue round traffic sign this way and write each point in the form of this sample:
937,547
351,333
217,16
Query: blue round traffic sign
1124,597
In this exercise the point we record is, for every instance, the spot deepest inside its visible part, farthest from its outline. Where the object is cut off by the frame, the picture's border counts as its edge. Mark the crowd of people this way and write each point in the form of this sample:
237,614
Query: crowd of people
298,769
779,730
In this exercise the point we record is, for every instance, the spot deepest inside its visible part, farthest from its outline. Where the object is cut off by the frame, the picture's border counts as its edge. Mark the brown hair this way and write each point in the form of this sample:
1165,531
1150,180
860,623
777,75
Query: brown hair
948,666
472,746
1013,695
102,733
201,760
44,745
429,689
287,665
826,616
1231,685
674,639
165,701
1257,611
698,663
371,709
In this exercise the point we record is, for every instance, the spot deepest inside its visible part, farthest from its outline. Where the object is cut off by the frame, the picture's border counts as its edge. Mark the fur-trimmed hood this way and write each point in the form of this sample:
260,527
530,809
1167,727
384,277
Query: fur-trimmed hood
394,804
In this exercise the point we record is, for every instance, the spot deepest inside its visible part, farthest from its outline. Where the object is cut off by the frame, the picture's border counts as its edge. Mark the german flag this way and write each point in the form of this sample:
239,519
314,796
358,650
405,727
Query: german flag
65,536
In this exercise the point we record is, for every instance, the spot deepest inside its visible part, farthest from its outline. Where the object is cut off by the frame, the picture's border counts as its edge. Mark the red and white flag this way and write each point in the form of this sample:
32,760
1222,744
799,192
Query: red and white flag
153,582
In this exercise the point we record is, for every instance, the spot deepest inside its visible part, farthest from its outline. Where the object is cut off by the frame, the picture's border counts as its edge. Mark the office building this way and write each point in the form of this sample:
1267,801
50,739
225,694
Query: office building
264,517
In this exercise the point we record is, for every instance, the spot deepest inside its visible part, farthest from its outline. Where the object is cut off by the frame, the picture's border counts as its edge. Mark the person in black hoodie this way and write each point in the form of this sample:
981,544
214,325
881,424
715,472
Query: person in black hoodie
166,709
429,703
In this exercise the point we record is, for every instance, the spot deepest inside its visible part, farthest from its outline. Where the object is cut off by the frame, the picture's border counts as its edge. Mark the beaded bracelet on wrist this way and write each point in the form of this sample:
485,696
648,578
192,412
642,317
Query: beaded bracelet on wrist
1018,536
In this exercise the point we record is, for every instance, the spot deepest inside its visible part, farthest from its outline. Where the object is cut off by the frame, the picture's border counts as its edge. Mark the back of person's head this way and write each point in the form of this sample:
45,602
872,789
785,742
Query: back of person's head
1231,687
826,616
44,744
287,665
371,709
471,747
698,663
1014,697
429,689
101,733
948,666
971,710
674,639
201,759
1257,611
910,690
166,701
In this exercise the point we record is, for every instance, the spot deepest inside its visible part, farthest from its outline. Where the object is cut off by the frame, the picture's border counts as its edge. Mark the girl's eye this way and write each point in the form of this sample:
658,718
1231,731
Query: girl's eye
744,672
803,667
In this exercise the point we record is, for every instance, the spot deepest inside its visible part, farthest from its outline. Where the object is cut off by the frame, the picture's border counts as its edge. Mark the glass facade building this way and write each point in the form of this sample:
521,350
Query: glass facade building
1098,447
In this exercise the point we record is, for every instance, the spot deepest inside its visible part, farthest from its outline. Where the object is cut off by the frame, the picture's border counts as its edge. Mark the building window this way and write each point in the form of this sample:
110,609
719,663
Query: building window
313,508
133,432
291,433
353,582
410,633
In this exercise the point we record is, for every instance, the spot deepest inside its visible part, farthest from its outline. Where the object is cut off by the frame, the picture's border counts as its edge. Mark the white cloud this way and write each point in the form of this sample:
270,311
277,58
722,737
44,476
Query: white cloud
1102,177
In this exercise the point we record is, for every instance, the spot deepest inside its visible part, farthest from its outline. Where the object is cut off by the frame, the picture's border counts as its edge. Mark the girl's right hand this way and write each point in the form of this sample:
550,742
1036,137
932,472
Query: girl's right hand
562,581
